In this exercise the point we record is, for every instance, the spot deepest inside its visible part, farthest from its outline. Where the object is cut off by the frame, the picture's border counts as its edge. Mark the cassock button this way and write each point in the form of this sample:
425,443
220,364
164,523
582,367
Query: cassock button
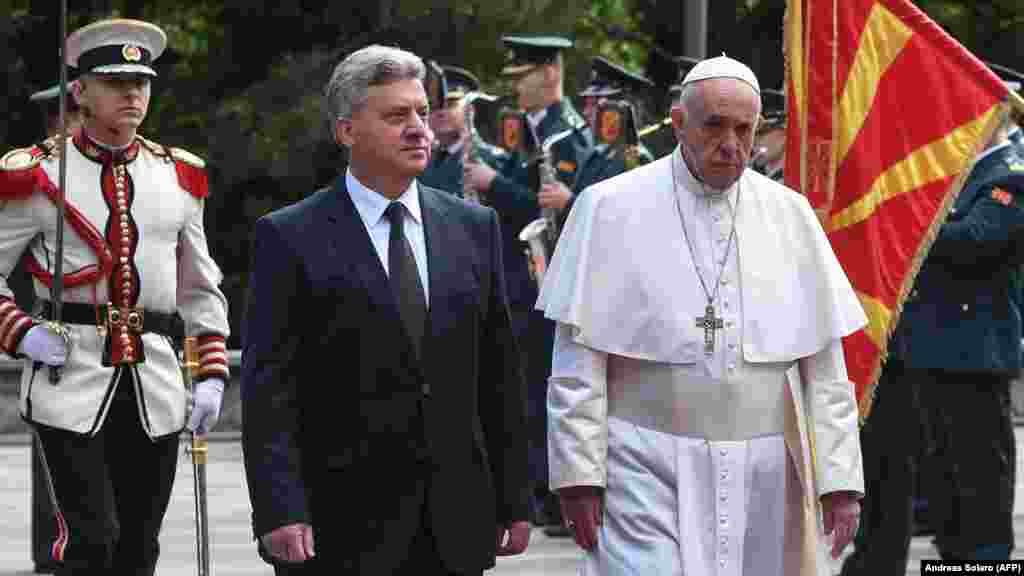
725,281
124,260
732,346
723,562
723,452
732,367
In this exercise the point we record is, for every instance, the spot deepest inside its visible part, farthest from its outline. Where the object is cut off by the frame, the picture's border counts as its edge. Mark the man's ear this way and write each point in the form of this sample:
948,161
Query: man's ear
344,132
77,89
678,113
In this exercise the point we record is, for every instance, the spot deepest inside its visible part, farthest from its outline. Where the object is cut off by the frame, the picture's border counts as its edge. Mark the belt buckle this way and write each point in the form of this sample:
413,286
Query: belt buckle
117,316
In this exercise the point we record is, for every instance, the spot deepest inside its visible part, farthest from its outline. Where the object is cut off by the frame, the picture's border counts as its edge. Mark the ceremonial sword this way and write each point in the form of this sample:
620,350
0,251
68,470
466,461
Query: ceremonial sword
198,449
57,287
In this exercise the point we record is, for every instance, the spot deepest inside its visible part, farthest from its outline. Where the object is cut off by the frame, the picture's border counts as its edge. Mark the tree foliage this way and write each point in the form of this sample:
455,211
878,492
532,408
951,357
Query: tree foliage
240,84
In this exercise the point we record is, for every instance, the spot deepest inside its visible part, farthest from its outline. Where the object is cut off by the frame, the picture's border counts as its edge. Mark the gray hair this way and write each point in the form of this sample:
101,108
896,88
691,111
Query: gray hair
688,98
370,66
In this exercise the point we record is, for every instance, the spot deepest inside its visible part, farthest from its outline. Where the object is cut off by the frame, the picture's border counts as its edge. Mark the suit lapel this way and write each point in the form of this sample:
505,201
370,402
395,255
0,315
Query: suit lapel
441,259
355,251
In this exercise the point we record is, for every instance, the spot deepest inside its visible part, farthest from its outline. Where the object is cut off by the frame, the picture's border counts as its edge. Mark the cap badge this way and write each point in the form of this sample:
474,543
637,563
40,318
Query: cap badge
131,53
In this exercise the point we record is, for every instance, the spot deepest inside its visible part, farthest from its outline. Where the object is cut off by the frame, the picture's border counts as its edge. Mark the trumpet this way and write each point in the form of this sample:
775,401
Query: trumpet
472,155
541,235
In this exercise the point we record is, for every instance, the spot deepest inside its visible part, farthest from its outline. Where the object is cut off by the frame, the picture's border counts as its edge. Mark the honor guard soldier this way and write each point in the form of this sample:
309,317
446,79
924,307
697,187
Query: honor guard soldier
945,388
103,389
769,156
457,139
611,107
513,188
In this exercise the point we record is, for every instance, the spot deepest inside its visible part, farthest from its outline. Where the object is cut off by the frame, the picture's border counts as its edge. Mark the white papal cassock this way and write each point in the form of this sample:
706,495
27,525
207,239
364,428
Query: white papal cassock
705,458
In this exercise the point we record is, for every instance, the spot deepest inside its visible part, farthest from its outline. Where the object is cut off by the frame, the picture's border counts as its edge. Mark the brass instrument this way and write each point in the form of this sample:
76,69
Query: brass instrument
198,448
472,155
541,235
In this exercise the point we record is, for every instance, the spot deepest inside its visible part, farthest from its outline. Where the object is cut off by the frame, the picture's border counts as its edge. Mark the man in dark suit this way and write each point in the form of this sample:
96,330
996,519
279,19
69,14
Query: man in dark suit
383,402
945,388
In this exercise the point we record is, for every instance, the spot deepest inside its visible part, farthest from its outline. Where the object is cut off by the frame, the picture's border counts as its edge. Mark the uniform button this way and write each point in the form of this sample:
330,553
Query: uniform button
732,367
723,452
732,346
723,562
725,304
724,475
965,307
124,219
725,281
124,259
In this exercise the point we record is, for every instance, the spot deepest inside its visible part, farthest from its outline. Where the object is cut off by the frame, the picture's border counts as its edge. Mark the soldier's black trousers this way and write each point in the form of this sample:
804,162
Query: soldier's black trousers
959,425
112,492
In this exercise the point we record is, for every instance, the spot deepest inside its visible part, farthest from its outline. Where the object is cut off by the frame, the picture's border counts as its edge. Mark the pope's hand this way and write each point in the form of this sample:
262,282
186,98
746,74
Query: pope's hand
554,195
518,537
291,543
478,176
206,401
582,513
841,511
42,344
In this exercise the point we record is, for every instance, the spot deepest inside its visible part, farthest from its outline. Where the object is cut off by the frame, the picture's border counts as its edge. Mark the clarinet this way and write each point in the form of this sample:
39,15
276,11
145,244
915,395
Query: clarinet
541,235
472,155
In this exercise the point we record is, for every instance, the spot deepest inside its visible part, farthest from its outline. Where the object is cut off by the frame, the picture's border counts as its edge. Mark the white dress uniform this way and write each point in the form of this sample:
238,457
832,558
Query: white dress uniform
137,274
704,453
133,237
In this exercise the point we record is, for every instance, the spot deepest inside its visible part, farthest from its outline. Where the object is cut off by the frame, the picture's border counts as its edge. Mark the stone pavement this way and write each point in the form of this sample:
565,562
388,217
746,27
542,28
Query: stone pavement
233,552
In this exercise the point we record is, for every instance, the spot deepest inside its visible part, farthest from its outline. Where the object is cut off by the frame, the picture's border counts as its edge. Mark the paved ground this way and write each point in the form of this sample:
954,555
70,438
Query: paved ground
233,552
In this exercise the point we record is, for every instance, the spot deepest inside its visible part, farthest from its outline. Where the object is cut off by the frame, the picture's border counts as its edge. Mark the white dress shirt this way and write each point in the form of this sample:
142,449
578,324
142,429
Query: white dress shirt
371,206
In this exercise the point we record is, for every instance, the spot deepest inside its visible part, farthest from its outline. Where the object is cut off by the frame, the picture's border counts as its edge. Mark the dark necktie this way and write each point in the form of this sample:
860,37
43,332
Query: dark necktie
405,279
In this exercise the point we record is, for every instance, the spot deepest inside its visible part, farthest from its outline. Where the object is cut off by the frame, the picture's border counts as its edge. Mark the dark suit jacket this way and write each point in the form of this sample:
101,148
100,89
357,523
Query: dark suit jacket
964,313
336,430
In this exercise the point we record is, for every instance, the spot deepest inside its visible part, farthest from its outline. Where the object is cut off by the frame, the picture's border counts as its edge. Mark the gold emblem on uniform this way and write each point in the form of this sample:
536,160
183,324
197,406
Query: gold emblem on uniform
609,126
18,160
1002,196
510,133
131,53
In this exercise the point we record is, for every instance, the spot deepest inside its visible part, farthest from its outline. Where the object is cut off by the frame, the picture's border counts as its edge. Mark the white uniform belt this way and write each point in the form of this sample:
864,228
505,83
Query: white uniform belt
675,399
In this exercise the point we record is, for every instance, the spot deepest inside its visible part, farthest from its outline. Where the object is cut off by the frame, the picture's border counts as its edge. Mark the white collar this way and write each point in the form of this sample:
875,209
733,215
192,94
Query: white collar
536,117
687,181
458,145
371,205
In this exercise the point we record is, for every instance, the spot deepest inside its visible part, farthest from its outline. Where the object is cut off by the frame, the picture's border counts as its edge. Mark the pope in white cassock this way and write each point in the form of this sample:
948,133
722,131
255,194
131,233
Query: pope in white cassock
701,418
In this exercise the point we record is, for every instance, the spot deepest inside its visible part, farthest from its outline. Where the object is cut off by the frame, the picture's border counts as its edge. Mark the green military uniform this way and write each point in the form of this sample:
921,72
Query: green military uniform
609,81
513,193
445,169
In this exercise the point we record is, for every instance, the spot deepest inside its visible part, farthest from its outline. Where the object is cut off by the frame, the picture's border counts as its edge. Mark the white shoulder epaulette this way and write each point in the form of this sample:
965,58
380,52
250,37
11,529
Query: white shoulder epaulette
20,159
187,157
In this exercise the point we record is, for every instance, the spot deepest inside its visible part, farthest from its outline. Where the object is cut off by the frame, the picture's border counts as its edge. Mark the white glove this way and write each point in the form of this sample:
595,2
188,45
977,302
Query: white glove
206,405
44,345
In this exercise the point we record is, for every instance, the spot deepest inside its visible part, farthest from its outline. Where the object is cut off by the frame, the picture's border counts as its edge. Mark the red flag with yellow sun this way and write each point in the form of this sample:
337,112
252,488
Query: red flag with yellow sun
885,113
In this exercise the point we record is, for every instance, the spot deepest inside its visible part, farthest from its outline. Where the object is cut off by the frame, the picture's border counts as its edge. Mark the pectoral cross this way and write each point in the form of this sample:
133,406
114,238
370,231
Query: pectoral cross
709,322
